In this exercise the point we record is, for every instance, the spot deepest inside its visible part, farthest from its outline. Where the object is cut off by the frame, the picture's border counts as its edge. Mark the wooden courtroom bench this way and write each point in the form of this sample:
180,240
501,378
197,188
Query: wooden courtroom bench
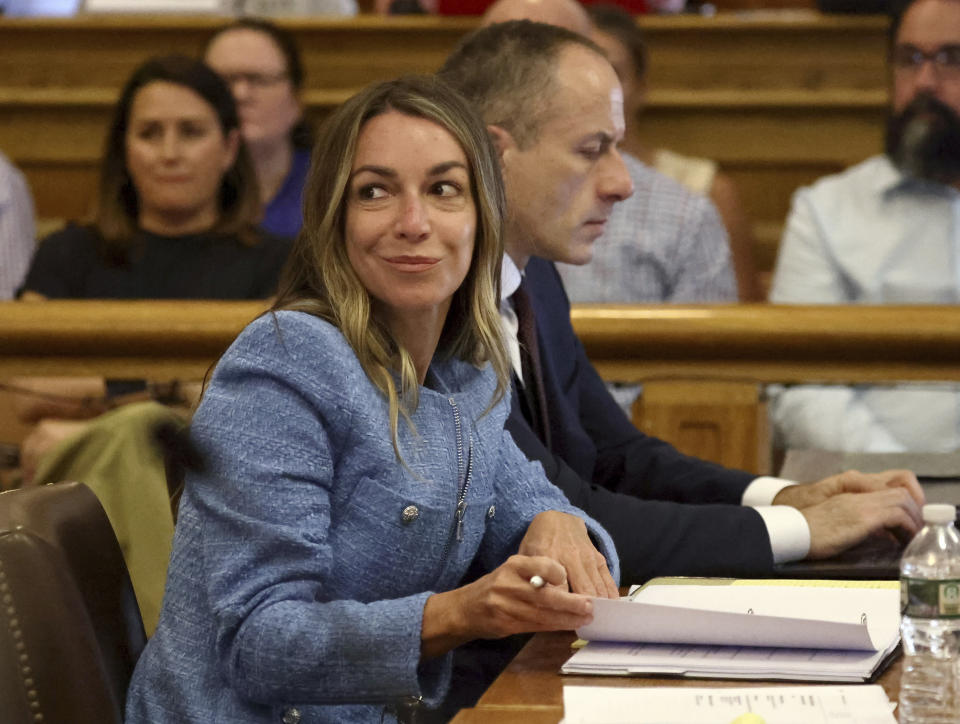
703,368
778,99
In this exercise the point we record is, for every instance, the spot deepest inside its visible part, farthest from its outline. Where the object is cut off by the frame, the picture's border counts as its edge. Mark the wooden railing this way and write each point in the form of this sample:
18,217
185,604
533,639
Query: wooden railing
704,368
772,343
119,340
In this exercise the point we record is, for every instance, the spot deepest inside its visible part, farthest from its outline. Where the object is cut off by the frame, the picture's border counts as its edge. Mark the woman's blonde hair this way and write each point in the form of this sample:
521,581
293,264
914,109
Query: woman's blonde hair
320,280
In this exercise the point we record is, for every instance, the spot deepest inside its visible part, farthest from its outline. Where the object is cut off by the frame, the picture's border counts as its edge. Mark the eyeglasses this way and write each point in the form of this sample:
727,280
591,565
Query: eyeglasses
254,80
910,59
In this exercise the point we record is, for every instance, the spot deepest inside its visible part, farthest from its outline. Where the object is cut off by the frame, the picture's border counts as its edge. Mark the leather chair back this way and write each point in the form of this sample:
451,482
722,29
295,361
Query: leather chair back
70,627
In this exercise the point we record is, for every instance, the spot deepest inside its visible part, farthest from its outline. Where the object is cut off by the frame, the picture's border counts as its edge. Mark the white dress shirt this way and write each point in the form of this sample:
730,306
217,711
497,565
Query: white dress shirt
786,526
870,235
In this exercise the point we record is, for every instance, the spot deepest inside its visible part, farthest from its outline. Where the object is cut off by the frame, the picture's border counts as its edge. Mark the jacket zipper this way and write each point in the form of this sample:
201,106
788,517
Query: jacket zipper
464,476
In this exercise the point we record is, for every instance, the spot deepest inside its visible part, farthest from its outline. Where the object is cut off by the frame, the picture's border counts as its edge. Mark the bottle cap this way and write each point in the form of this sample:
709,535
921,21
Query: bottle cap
939,513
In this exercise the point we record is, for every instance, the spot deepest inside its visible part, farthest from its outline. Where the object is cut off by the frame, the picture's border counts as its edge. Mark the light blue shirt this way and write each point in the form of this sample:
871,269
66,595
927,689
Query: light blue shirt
870,235
17,233
13,8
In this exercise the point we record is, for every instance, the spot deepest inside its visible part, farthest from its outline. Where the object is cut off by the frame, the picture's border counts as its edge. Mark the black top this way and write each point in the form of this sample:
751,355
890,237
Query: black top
69,265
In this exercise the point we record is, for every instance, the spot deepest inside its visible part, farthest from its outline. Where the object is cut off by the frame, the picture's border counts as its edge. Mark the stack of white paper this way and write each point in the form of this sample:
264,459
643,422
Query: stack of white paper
688,705
776,631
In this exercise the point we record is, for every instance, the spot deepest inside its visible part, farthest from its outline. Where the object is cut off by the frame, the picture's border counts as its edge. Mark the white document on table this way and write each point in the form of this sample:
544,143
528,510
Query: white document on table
775,631
690,705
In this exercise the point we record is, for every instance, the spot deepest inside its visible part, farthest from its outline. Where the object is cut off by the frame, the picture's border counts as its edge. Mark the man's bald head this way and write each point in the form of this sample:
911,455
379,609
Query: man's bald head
567,14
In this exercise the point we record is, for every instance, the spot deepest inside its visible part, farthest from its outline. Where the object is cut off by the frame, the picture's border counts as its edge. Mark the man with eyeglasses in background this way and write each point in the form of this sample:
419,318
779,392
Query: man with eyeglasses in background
886,231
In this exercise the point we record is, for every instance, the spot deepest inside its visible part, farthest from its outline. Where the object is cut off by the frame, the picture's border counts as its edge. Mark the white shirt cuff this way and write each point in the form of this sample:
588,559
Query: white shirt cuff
786,526
788,531
763,490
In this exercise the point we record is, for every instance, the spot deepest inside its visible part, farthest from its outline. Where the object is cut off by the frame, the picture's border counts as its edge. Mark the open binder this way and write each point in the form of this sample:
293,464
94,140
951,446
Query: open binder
831,631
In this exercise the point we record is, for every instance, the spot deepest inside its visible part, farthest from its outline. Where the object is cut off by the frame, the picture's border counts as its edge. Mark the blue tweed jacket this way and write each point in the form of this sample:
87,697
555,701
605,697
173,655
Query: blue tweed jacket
305,552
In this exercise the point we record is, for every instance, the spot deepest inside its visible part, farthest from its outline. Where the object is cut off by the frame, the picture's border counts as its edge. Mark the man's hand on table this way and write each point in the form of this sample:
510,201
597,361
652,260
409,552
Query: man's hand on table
842,510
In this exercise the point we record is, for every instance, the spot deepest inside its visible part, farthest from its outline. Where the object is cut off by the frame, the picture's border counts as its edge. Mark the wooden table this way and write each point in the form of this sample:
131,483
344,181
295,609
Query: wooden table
530,691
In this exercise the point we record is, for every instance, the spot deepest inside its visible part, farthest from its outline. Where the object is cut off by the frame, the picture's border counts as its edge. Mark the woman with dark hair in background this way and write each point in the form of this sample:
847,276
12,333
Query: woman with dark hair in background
177,206
175,219
261,64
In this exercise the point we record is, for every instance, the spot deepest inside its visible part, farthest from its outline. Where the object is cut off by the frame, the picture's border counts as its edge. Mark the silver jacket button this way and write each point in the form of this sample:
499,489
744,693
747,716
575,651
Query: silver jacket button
491,511
291,716
410,514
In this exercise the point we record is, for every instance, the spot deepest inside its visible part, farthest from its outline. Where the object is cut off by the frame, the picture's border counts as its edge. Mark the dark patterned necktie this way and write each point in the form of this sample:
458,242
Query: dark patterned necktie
533,390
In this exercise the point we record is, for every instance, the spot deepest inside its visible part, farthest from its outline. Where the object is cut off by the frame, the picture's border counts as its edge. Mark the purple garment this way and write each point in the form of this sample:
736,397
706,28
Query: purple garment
284,215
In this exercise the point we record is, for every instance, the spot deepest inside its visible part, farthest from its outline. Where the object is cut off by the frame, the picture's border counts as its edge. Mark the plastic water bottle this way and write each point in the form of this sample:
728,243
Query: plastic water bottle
930,622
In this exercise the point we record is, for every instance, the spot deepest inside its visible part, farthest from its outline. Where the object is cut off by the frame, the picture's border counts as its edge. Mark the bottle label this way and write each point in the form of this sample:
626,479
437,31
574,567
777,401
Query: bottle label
921,598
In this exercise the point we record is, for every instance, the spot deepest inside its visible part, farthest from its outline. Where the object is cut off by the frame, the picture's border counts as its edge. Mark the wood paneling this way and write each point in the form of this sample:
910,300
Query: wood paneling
723,421
765,51
771,343
122,340
100,51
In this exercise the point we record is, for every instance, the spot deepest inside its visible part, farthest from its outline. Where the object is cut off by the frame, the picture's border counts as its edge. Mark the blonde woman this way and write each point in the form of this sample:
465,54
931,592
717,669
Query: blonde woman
356,462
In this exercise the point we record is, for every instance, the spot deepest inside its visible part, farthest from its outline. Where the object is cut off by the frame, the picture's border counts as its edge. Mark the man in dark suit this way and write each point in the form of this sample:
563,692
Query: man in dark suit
553,105
668,514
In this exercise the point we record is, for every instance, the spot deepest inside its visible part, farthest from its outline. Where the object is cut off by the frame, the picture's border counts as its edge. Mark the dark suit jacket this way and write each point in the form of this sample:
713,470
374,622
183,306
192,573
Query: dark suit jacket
668,513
